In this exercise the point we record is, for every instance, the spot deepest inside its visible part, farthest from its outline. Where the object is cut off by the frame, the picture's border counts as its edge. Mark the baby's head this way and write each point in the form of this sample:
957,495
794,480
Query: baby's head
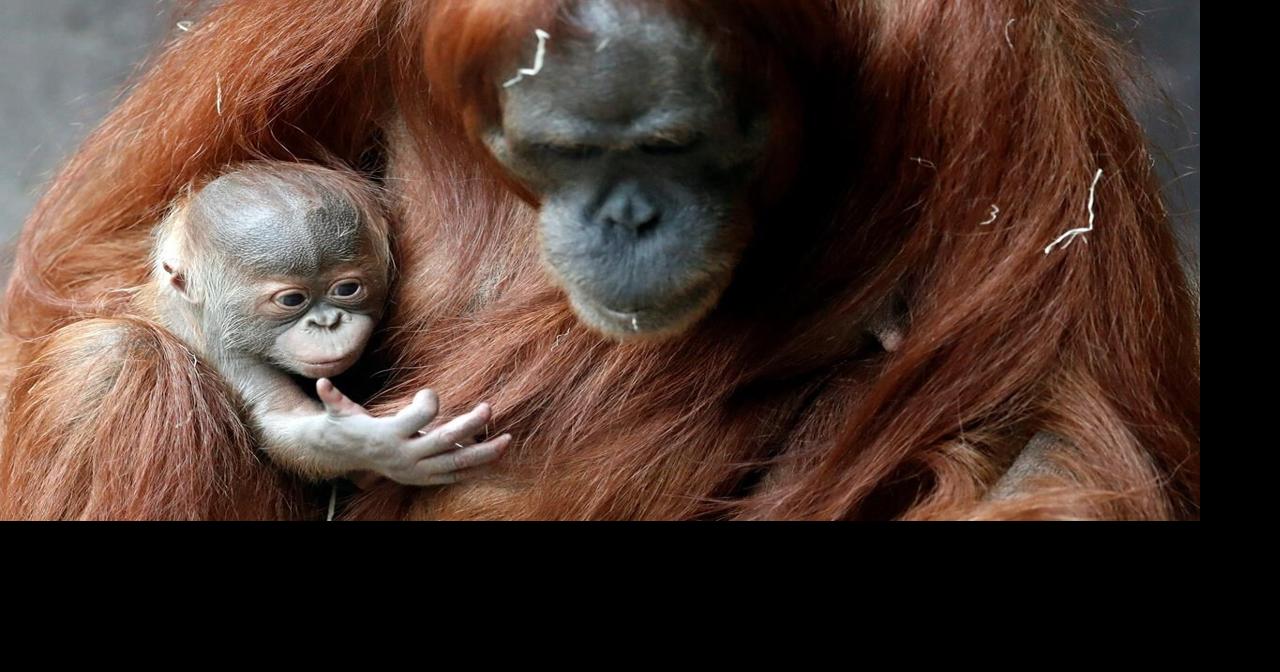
283,261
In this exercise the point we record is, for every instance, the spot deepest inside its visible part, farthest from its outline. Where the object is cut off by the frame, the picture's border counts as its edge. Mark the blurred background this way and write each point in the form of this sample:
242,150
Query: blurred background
63,62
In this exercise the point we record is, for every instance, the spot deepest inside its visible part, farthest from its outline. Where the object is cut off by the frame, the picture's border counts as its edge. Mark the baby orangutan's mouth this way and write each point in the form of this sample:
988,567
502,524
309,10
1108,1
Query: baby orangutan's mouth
324,368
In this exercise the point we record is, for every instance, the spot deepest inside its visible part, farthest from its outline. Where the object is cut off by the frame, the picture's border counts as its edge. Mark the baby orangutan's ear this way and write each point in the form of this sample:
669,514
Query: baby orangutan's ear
178,278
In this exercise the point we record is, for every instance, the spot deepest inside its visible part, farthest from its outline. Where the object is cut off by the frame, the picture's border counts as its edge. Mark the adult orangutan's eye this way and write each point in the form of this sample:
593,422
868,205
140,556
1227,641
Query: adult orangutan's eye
567,151
666,147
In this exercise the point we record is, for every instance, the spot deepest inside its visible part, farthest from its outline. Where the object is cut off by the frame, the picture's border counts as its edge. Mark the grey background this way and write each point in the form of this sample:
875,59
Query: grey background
63,62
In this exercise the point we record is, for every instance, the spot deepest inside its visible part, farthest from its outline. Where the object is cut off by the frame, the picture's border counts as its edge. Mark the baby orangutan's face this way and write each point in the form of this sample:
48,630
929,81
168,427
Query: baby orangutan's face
290,277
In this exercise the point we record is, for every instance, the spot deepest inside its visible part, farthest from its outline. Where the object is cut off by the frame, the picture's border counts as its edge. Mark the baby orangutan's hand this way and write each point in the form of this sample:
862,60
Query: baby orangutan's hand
397,448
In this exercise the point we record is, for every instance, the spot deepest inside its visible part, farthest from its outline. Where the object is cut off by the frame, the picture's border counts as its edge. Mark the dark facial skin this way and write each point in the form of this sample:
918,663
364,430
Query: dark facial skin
293,282
640,159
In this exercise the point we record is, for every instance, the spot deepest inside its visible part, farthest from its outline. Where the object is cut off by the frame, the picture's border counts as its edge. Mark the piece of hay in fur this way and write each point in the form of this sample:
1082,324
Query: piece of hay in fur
1071,235
538,58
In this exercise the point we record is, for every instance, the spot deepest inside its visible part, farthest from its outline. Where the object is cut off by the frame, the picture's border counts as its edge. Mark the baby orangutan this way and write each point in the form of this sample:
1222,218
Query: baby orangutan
275,269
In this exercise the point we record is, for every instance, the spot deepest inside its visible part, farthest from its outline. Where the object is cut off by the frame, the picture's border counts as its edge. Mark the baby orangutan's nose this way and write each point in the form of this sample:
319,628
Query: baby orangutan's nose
324,317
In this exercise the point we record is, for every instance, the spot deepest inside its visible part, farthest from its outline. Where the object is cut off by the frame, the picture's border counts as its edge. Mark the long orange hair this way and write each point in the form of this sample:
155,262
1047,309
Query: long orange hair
919,123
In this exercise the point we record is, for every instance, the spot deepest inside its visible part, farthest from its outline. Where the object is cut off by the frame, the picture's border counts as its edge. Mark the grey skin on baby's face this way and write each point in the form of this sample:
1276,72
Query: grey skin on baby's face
293,279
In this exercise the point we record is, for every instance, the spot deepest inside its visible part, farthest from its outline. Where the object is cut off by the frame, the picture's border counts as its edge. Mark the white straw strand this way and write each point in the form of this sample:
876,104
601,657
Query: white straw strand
538,58
1071,235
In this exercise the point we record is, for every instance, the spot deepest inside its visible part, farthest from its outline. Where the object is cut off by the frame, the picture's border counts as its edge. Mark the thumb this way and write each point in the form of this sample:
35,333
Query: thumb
335,402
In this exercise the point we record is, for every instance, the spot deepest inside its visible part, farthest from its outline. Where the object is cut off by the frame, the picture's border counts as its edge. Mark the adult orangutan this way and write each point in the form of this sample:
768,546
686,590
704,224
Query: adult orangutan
759,259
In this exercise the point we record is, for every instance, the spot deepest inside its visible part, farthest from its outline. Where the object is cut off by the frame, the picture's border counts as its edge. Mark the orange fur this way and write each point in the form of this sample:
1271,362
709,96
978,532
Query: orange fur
115,419
770,408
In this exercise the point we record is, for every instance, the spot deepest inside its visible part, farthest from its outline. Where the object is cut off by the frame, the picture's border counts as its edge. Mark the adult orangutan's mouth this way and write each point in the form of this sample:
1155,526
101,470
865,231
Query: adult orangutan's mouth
647,321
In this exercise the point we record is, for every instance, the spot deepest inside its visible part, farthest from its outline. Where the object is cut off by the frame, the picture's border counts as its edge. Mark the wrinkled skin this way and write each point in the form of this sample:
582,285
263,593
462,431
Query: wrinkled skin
640,158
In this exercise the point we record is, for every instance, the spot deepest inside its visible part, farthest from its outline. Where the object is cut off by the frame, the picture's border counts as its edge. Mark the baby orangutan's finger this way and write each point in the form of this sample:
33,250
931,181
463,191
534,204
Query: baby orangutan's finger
335,402
459,432
417,414
461,459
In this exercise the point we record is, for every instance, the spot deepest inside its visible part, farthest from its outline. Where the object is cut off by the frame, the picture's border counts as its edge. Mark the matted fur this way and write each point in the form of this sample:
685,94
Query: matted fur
917,117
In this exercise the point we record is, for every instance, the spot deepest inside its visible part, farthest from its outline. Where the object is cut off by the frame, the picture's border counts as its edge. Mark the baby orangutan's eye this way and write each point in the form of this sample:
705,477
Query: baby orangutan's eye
290,298
346,289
